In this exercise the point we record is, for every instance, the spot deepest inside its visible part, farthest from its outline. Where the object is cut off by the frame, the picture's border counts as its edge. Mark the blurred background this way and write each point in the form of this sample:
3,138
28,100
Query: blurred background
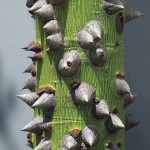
17,28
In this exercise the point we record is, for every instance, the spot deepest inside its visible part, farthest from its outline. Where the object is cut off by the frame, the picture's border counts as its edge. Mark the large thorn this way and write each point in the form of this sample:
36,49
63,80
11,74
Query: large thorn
56,41
100,109
47,102
28,98
52,27
34,126
131,14
130,122
90,135
113,123
122,87
29,68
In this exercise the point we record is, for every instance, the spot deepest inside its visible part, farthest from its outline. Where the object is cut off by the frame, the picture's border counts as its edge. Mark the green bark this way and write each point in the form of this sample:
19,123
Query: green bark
66,116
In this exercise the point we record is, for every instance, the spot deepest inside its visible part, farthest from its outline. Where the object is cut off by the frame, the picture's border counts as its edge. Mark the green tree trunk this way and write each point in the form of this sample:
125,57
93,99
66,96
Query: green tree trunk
66,116
73,18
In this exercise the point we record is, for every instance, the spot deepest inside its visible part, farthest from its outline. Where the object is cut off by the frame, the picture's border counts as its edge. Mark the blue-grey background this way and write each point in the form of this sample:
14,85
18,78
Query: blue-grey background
17,28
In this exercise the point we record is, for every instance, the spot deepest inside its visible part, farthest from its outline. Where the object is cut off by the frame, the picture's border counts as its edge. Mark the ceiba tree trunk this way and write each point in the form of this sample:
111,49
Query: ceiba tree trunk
67,116
70,114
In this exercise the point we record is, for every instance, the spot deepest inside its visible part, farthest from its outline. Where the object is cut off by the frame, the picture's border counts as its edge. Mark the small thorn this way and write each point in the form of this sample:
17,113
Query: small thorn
28,45
36,57
130,122
122,87
35,47
30,84
29,68
128,99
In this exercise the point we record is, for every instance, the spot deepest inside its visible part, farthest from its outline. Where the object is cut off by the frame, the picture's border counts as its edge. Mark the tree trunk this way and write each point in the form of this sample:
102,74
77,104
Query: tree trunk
67,116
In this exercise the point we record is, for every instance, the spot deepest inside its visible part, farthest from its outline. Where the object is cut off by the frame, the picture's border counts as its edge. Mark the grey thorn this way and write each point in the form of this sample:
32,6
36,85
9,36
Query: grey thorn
98,56
69,143
28,98
95,29
37,5
83,95
90,135
30,84
122,86
34,126
101,109
130,122
56,41
85,39
131,14
47,102
46,12
52,27
29,68
113,123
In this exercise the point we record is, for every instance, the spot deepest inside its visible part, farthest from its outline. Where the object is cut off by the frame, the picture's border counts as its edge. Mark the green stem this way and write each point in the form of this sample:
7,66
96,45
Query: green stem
66,116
